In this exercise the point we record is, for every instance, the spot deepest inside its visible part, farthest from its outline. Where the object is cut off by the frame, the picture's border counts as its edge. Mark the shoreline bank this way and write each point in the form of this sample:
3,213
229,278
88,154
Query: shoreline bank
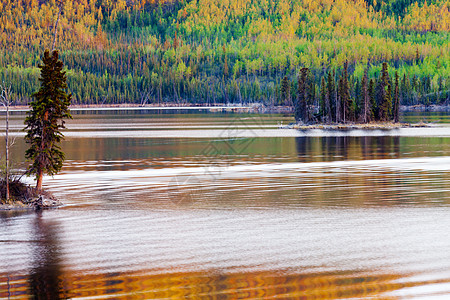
25,197
363,126
219,107
39,203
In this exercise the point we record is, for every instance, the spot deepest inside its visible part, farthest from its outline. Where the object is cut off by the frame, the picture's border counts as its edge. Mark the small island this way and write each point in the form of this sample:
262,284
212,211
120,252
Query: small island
375,105
361,126
24,196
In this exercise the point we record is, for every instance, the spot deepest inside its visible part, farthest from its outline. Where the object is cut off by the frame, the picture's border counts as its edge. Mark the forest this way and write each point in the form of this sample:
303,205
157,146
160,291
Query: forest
232,51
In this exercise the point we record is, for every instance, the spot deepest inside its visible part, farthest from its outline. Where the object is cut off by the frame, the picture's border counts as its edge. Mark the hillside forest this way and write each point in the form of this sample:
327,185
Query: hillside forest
235,51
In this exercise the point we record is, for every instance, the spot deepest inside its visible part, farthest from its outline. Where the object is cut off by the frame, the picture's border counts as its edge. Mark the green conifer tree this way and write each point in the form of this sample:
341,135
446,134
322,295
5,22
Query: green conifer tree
385,94
404,87
285,91
298,106
45,120
331,89
339,100
323,101
366,107
396,111
225,63
373,102
388,104
346,101
303,96
357,100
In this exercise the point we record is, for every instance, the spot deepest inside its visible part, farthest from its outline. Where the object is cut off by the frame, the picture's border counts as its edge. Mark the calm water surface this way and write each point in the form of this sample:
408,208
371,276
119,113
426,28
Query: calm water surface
173,204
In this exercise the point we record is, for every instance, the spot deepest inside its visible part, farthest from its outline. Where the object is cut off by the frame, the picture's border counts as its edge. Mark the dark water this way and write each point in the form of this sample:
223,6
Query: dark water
195,205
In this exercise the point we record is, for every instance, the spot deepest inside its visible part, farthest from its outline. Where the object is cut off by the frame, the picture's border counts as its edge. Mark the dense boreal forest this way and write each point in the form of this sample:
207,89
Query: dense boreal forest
232,51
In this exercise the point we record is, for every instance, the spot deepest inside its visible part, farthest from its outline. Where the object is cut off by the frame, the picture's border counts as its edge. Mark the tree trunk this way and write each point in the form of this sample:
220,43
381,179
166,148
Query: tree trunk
328,108
5,93
7,150
39,181
40,172
338,109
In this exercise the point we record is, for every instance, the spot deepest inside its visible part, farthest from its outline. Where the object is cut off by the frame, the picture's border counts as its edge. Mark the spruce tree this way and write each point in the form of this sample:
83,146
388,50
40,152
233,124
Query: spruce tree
440,88
311,92
346,101
373,102
331,95
396,111
414,90
366,115
388,104
385,95
404,87
323,101
303,96
357,100
339,101
285,91
225,63
45,120
298,109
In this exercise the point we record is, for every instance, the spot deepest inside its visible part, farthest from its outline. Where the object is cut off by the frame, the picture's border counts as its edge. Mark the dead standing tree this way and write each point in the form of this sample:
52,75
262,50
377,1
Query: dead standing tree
146,94
5,100
60,6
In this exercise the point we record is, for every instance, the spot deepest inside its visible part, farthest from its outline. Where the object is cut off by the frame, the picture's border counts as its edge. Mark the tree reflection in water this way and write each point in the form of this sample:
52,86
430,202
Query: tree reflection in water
46,273
319,149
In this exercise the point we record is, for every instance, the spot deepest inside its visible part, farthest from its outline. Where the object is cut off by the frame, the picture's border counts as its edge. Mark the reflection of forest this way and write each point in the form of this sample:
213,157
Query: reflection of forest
47,279
366,184
347,148
50,277
211,285
87,153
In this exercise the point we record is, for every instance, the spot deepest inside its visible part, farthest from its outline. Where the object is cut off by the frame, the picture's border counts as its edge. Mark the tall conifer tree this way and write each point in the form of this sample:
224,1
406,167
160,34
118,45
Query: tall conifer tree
396,111
45,120
303,96
285,91
225,63
385,95
339,101
365,98
346,101
373,101
323,101
331,89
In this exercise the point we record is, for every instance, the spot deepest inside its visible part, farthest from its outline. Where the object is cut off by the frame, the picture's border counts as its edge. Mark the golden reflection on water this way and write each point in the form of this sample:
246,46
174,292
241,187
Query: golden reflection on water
51,277
210,285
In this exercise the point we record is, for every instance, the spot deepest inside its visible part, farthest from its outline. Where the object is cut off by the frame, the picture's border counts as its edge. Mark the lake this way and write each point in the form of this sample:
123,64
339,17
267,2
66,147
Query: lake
195,204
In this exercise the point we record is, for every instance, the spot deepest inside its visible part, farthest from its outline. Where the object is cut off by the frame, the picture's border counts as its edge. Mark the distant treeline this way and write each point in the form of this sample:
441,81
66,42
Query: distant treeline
223,51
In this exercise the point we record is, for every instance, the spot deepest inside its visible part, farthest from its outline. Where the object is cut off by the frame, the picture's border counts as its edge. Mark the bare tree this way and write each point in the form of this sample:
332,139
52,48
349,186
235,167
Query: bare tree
60,6
145,95
5,100
104,99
